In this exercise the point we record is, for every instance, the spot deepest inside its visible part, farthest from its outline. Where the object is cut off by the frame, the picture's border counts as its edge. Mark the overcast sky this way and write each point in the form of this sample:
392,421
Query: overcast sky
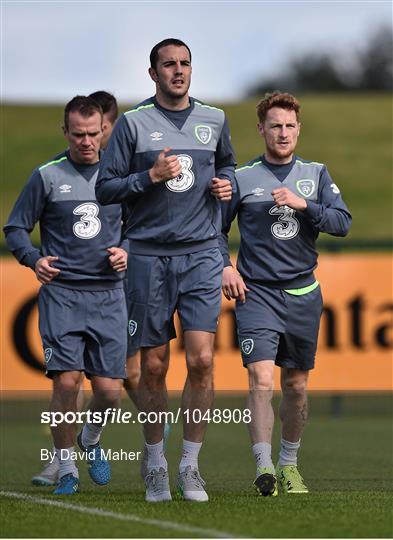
54,50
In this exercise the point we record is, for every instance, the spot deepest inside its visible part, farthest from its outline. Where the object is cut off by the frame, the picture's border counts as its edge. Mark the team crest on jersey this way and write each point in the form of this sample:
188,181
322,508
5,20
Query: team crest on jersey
156,136
132,327
258,191
247,346
65,188
203,134
305,187
48,354
185,180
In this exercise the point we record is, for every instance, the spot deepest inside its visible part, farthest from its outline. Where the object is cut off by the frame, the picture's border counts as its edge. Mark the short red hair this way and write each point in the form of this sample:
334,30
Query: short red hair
277,99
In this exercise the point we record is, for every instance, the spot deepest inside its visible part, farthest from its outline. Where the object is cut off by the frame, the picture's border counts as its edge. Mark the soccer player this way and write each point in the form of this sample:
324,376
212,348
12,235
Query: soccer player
170,158
81,267
110,112
282,203
49,475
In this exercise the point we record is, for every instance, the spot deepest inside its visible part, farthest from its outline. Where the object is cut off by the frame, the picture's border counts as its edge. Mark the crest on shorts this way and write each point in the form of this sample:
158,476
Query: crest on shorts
132,327
48,354
203,134
305,187
247,346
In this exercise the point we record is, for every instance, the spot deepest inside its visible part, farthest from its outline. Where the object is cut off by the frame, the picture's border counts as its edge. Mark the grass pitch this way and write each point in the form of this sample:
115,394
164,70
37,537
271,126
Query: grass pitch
345,459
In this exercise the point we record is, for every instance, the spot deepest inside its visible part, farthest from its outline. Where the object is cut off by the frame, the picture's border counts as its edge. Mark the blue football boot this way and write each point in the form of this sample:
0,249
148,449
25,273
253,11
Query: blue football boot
99,468
68,485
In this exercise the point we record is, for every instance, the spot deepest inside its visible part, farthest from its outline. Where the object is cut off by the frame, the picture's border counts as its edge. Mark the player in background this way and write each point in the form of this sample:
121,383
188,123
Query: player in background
81,267
49,475
170,159
282,203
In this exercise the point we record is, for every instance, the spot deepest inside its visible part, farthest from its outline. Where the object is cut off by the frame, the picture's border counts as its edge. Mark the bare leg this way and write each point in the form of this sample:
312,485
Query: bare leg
81,395
198,390
293,407
261,380
64,399
106,395
131,384
152,388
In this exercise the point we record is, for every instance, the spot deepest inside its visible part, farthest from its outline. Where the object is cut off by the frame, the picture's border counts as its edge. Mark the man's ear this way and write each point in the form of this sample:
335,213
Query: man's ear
64,130
153,74
260,129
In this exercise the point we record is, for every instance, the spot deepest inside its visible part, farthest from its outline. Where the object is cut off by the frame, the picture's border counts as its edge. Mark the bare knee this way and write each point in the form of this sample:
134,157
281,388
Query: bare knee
261,376
154,367
106,390
295,385
133,373
67,382
200,365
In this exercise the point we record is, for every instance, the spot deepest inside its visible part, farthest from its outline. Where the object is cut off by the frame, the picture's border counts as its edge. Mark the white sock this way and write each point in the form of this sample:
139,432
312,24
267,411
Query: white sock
288,452
91,434
155,456
189,455
263,454
66,465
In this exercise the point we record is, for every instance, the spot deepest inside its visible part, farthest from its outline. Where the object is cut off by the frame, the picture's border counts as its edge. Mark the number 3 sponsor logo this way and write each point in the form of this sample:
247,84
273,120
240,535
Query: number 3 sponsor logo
185,180
89,225
287,225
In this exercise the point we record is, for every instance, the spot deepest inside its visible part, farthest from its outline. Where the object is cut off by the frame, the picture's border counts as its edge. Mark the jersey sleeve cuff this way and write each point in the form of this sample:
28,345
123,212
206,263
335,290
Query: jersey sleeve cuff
124,244
145,180
31,259
226,259
312,210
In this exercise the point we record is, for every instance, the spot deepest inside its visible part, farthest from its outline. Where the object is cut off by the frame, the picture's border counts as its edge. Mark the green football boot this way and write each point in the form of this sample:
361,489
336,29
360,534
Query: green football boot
265,482
290,480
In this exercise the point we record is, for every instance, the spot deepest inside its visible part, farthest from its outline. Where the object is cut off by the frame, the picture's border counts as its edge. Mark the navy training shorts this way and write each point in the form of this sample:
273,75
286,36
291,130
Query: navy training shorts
276,325
158,286
83,330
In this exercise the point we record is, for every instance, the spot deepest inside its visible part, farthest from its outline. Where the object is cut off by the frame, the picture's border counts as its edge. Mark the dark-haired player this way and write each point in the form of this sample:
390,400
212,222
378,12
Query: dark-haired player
170,159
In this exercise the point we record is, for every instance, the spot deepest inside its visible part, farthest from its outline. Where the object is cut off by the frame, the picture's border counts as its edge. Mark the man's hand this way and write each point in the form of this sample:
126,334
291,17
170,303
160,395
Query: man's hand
44,270
233,285
285,197
118,258
221,188
165,167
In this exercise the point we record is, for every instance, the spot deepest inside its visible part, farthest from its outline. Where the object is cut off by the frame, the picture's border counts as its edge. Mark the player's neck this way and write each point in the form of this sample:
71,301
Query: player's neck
173,104
276,160
76,159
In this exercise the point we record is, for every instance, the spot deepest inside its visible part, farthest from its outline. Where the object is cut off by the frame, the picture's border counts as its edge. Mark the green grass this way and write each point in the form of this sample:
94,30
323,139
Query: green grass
346,460
352,134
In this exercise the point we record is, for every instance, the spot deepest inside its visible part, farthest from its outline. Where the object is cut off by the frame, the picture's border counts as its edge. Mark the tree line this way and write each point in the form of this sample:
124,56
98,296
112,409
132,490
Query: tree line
366,69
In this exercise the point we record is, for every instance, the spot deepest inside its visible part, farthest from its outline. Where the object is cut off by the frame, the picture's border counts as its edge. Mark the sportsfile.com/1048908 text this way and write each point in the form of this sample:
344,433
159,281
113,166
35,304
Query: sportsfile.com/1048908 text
117,416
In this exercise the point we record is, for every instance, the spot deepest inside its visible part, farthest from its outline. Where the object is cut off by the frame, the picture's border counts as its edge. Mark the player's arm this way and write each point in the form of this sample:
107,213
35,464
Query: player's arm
115,183
118,255
25,214
225,163
330,214
233,285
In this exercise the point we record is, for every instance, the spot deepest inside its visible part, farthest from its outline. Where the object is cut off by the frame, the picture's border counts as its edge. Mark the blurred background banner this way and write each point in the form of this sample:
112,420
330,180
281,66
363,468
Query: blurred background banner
354,345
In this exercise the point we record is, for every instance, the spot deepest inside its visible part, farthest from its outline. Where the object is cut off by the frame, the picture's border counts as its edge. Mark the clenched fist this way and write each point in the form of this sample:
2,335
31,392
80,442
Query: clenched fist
165,167
285,197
